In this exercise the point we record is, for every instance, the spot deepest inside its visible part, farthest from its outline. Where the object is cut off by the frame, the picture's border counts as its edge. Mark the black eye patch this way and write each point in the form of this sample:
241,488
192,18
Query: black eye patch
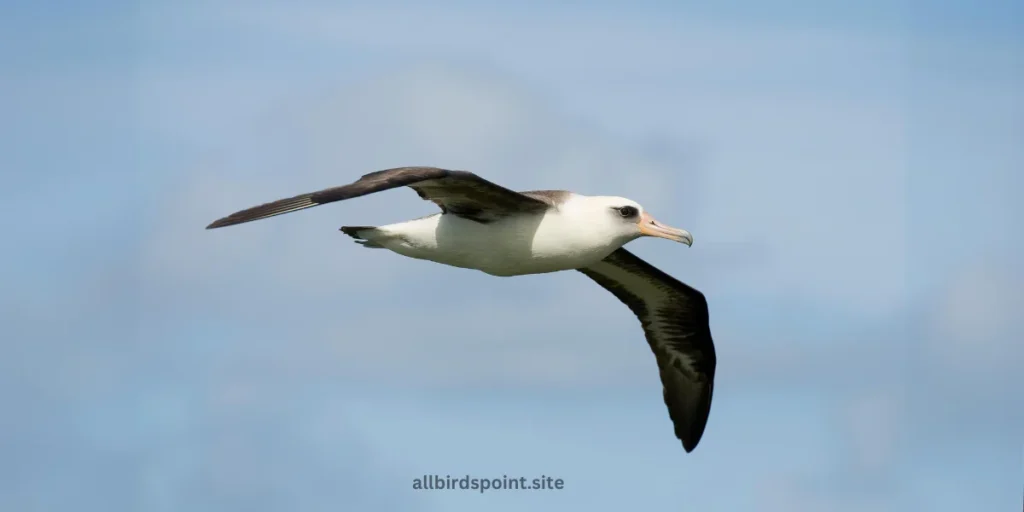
627,211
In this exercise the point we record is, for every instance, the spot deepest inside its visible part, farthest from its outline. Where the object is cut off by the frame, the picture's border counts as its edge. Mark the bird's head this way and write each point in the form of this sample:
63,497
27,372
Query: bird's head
626,219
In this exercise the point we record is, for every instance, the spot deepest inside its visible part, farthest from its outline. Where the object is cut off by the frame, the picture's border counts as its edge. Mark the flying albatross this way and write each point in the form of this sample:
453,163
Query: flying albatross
487,227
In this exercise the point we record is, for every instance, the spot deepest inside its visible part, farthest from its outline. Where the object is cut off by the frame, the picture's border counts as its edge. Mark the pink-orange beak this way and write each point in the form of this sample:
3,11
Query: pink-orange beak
651,227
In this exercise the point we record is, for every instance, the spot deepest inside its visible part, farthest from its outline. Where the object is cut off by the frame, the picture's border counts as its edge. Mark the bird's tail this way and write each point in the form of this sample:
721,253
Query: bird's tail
363,235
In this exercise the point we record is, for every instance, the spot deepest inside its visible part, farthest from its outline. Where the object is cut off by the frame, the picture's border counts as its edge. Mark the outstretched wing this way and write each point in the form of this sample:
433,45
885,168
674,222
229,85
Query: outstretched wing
674,317
460,193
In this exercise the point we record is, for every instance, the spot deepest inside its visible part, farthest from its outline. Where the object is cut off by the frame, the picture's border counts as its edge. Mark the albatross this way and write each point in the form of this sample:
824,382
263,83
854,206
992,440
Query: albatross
484,226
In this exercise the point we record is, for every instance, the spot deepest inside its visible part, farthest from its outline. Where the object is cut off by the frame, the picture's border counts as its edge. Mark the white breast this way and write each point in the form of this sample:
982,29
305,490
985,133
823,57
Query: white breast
515,245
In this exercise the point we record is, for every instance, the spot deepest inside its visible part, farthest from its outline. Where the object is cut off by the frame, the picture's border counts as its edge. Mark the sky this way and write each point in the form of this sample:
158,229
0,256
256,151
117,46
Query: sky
849,171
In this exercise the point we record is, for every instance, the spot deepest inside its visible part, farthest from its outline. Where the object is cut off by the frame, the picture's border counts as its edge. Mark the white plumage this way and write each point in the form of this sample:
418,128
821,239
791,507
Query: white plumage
578,232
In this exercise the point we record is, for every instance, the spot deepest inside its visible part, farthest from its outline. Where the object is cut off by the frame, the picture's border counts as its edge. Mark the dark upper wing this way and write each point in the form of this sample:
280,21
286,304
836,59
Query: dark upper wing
551,197
458,192
675,321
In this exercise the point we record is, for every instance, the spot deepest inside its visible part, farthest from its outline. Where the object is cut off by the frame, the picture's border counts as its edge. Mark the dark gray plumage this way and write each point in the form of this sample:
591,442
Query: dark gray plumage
674,317
461,193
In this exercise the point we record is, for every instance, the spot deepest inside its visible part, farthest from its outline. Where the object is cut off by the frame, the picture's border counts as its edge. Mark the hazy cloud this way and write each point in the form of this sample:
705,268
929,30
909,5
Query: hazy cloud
976,324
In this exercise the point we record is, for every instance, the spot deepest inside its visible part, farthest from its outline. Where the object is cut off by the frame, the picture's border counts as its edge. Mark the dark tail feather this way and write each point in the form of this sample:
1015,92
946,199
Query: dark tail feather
353,231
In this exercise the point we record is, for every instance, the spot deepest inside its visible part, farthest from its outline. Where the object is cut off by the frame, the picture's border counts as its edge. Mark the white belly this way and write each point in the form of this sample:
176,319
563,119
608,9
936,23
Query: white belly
509,247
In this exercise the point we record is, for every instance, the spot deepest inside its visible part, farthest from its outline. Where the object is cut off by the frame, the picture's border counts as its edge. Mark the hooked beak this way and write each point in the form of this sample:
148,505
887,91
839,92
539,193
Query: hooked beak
651,227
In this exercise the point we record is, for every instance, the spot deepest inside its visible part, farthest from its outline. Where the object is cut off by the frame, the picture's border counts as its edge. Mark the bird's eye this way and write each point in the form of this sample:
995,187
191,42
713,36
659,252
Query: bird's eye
627,211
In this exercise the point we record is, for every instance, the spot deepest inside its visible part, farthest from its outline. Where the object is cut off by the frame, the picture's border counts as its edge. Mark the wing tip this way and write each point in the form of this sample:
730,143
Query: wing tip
231,220
690,442
691,436
267,210
691,439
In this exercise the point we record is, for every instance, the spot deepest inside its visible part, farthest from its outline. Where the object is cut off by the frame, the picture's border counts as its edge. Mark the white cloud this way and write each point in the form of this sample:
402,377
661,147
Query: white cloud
976,328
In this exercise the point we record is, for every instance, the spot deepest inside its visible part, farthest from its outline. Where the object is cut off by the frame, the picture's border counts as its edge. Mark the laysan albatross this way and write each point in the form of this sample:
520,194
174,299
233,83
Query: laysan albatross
487,227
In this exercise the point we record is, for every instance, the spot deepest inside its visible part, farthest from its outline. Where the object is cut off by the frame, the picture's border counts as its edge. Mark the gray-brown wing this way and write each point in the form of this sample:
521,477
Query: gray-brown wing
553,198
674,317
461,193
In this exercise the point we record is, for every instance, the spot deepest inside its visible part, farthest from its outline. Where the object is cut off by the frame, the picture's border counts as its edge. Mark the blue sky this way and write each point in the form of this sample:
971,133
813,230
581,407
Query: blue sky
849,172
